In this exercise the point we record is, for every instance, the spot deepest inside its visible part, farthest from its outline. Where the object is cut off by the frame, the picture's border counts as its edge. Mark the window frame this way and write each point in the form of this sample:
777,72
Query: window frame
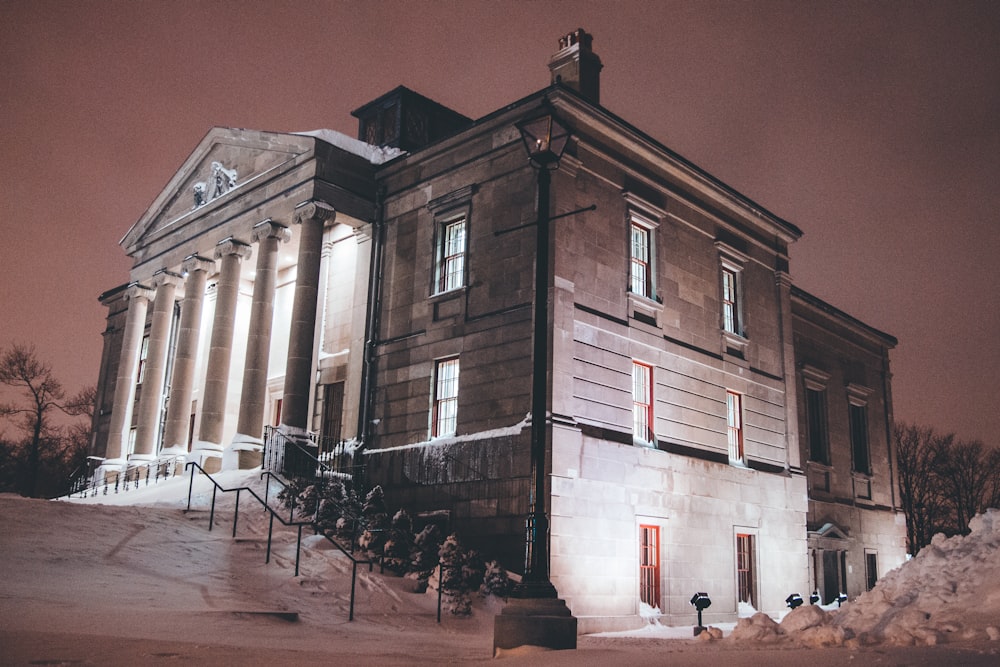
745,554
649,565
735,427
732,306
817,415
445,261
140,370
640,408
859,431
444,397
644,216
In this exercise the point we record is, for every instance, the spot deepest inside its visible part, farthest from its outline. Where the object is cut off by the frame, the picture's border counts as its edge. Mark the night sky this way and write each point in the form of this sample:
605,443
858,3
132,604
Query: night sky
874,127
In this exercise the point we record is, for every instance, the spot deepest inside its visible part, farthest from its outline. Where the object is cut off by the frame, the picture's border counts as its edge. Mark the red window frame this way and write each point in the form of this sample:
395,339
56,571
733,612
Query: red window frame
649,565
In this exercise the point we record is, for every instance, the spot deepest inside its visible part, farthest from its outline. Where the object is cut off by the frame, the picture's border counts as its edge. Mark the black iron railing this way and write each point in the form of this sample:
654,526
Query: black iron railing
310,456
274,514
90,480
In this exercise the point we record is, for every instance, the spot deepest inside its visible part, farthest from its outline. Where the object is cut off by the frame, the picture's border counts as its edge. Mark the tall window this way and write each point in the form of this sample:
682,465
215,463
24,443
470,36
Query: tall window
734,425
143,354
333,411
641,250
819,439
450,269
649,565
746,570
444,416
859,438
731,318
642,402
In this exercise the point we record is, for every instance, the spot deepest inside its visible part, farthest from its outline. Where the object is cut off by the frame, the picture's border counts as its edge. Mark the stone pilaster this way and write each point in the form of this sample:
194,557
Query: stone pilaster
175,430
151,395
783,284
213,414
268,235
138,297
311,218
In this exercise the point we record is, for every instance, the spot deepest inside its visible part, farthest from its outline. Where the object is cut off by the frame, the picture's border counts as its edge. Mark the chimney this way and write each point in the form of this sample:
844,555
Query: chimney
577,66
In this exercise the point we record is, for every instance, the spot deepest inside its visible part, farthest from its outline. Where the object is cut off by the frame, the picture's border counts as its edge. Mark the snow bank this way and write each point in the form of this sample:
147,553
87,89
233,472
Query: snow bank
950,591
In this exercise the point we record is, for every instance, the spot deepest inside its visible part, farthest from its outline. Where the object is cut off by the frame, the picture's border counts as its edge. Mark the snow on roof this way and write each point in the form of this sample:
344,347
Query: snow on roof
374,154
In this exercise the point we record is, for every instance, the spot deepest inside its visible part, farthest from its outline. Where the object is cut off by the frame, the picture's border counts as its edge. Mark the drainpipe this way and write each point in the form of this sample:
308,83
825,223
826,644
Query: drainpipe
373,311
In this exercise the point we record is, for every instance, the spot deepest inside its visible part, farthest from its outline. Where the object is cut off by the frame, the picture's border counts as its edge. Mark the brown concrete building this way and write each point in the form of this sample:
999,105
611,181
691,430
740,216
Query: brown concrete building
382,293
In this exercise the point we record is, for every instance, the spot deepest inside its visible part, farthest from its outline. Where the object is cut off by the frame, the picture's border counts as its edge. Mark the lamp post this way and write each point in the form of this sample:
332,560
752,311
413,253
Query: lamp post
544,140
534,615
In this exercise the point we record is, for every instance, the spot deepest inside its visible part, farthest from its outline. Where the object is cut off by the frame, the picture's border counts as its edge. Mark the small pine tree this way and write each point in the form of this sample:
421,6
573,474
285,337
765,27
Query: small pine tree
376,521
399,546
426,545
495,580
453,557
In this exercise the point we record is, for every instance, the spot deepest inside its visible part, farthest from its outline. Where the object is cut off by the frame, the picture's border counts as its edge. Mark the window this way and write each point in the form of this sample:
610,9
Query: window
642,402
130,447
450,269
641,281
444,416
859,438
871,569
143,353
734,425
819,440
746,570
731,301
649,565
333,412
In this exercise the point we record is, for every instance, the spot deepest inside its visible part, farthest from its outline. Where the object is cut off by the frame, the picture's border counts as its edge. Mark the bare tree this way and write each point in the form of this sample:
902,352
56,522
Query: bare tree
919,451
968,473
40,395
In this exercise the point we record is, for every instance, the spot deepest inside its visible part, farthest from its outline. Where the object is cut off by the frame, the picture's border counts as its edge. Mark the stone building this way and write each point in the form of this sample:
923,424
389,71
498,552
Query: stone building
381,292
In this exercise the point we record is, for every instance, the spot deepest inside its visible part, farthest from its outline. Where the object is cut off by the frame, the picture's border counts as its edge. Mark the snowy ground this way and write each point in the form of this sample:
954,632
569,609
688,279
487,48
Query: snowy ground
134,579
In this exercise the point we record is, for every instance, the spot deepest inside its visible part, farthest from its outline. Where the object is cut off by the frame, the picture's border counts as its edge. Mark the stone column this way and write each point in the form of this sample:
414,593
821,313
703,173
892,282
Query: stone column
213,412
151,396
138,298
312,217
248,440
175,430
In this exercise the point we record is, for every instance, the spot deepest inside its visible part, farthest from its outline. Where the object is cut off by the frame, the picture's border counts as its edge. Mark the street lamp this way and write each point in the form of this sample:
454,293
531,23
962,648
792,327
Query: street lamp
544,140
534,615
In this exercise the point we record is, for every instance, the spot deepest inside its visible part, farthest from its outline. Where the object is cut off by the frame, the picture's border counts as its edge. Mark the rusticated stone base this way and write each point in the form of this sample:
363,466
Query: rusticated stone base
249,459
545,622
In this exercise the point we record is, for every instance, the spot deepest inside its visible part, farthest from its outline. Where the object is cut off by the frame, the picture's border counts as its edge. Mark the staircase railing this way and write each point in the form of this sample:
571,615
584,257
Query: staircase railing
274,514
85,482
311,456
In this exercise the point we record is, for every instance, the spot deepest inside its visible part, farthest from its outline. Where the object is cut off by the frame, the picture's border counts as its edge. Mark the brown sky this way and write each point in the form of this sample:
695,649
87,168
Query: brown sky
875,127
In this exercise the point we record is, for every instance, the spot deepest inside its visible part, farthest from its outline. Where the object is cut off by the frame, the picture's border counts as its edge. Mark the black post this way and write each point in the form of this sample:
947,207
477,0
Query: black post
535,582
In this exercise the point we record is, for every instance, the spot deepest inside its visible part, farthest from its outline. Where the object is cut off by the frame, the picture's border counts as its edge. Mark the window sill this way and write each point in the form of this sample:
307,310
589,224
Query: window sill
448,295
644,309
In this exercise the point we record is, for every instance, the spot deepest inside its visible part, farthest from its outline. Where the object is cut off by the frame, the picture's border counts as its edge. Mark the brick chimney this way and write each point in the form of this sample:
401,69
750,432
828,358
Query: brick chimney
577,66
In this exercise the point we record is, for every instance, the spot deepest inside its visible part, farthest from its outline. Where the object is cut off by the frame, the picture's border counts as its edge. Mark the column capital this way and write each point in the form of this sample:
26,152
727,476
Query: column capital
196,262
139,291
314,210
165,277
231,246
269,228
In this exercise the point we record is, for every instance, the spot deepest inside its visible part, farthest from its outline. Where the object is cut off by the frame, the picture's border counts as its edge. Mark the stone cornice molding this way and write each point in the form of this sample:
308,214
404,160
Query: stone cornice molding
139,291
270,229
231,246
314,210
454,198
782,278
165,277
196,262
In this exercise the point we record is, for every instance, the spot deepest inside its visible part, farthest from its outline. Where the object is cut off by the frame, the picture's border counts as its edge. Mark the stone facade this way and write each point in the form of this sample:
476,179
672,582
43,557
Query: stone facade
385,296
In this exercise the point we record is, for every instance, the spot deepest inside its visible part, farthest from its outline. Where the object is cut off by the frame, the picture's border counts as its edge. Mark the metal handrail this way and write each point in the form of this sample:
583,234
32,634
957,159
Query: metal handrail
216,487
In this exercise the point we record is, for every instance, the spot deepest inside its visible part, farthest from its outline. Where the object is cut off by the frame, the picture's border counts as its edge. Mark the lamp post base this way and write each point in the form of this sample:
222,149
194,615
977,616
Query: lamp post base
544,622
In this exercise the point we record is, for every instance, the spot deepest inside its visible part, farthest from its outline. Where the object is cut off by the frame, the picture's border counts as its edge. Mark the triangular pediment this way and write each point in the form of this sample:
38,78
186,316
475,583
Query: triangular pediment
226,163
829,530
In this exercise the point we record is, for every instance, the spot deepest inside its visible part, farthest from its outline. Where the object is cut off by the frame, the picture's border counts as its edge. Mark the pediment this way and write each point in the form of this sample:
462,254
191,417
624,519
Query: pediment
226,163
829,530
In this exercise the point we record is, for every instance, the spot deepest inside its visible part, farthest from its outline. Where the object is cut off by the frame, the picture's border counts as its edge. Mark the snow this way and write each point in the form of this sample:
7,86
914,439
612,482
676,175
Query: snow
374,154
133,578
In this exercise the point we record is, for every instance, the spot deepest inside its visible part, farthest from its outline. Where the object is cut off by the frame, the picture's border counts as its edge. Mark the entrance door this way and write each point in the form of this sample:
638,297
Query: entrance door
831,576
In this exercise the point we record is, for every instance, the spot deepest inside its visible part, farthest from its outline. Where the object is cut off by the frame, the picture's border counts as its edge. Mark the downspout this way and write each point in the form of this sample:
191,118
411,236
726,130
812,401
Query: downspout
372,316
889,428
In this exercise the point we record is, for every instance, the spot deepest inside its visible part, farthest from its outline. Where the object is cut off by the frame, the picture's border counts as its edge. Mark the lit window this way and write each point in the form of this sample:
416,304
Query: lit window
859,438
819,442
445,408
143,353
642,402
734,425
746,570
641,250
731,301
649,565
450,270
